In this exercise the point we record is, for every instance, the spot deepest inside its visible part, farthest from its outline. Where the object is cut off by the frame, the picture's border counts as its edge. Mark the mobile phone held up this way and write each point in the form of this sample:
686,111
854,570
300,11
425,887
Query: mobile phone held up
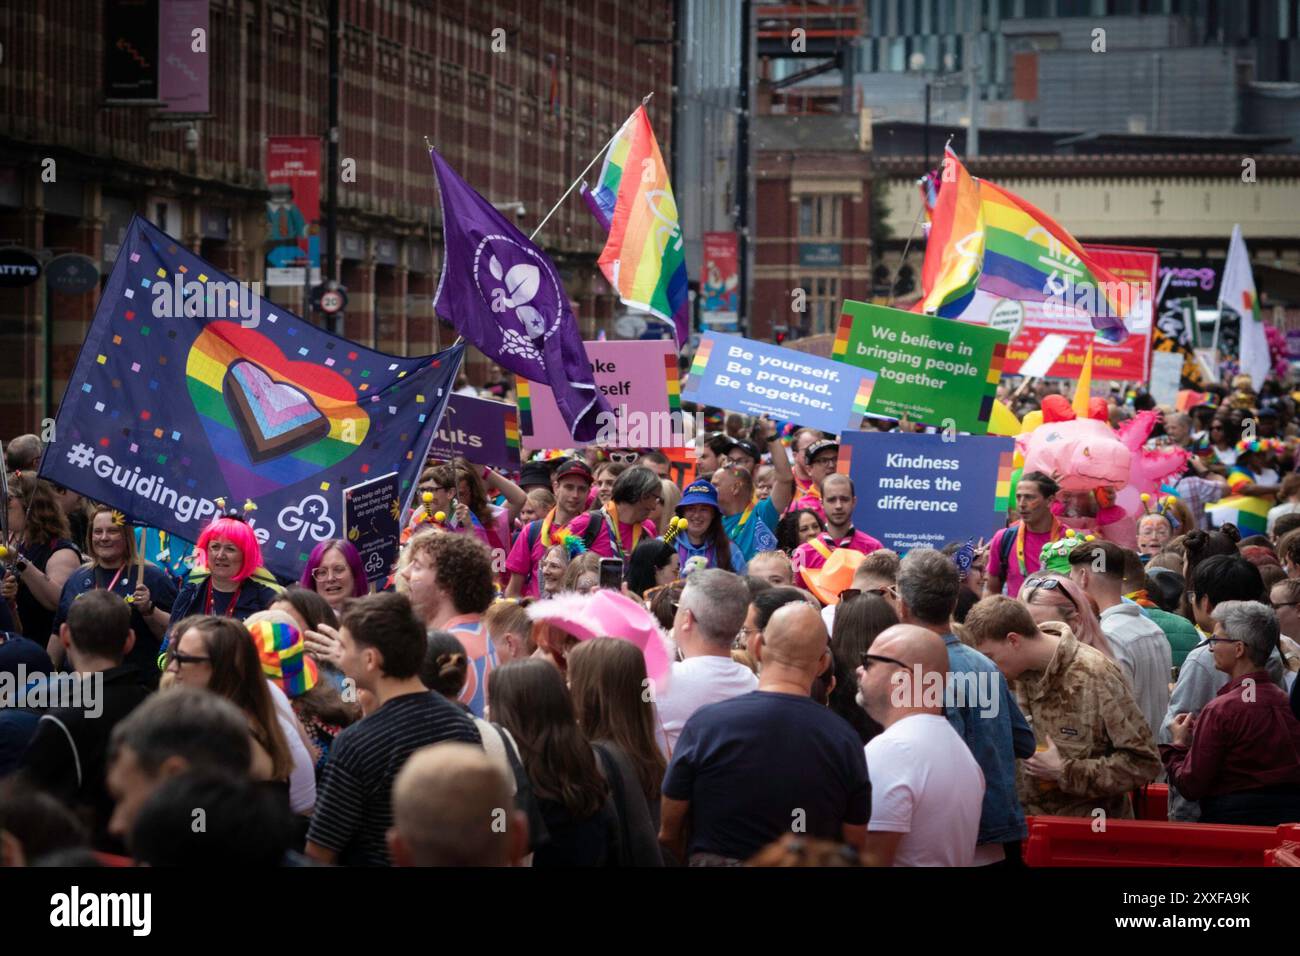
611,574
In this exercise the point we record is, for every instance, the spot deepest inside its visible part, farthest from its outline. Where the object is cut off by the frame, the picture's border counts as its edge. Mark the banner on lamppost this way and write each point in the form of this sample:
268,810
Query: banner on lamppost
293,211
720,283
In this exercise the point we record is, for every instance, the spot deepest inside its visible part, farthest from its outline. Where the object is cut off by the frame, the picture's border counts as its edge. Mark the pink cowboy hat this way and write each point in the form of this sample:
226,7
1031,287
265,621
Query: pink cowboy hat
609,614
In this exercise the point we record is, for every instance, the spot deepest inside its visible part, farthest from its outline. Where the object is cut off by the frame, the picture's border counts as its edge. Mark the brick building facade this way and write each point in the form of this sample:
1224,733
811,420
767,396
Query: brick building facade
518,125
812,222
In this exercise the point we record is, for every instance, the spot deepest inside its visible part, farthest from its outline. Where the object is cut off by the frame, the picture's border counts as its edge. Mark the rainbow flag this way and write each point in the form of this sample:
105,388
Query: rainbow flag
957,233
1248,512
1026,255
644,256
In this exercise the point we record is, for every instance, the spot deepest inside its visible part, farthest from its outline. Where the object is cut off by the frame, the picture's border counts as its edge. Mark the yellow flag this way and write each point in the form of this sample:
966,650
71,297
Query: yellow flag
1003,421
1084,391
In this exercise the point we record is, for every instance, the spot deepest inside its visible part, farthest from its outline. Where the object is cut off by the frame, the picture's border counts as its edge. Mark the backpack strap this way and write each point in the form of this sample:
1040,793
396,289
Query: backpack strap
595,520
525,798
1005,544
532,531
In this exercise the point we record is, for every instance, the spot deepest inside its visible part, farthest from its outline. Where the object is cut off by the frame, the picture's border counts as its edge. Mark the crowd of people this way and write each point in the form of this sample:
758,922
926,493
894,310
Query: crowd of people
615,658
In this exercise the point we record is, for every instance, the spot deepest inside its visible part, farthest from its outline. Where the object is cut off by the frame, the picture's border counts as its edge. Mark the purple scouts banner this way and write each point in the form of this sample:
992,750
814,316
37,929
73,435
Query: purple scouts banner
483,431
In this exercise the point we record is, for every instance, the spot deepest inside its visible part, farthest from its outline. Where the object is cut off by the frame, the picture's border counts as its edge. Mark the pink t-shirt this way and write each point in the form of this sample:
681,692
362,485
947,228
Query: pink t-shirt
602,545
807,556
812,502
1034,541
526,561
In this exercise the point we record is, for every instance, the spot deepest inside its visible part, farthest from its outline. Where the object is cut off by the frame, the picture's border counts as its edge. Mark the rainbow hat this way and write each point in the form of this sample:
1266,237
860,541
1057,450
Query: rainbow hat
284,657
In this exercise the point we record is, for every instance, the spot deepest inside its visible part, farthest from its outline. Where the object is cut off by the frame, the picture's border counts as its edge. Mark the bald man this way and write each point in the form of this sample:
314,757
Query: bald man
927,791
748,770
452,806
24,454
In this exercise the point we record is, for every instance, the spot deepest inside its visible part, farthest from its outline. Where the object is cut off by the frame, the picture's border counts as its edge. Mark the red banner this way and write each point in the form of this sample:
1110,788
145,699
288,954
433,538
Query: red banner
293,212
720,282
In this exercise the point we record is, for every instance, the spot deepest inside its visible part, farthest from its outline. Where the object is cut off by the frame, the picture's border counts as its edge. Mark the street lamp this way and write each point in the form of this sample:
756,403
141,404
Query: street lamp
916,62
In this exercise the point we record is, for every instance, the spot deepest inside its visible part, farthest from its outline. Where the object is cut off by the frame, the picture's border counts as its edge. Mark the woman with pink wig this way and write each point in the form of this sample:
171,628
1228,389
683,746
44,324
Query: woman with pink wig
1054,597
334,572
228,579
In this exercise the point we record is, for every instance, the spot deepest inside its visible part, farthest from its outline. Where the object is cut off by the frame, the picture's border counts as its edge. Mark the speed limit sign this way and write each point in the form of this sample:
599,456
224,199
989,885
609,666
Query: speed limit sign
332,301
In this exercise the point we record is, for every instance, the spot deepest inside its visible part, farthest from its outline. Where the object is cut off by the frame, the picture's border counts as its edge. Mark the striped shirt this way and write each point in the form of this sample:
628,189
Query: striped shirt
354,806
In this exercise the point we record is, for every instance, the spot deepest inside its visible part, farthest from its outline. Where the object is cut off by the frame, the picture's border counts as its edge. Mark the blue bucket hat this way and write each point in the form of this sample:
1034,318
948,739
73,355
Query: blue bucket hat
699,493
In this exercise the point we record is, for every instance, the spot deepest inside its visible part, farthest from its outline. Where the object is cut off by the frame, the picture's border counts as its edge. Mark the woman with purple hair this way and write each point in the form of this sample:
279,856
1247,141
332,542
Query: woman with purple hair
334,572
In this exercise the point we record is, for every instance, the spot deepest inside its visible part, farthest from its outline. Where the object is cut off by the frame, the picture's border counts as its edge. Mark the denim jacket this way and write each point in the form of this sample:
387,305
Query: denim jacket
995,739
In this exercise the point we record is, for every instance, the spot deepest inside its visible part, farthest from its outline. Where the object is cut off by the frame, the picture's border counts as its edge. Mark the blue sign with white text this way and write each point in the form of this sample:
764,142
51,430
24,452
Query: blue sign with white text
757,378
917,491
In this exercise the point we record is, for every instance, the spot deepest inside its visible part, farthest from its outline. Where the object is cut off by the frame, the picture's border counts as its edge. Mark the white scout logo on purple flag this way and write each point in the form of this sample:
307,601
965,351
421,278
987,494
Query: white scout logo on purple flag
502,293
517,281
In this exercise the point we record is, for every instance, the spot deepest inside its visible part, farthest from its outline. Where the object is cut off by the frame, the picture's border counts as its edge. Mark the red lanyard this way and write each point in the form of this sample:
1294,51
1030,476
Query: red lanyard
234,598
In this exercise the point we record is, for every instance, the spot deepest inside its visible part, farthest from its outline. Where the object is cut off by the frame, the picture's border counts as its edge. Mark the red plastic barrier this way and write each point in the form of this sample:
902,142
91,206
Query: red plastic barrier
1288,854
1151,802
1073,841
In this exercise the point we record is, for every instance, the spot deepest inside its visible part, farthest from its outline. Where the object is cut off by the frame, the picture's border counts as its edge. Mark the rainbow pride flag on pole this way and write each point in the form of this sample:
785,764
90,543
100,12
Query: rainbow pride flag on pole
951,277
1023,255
644,257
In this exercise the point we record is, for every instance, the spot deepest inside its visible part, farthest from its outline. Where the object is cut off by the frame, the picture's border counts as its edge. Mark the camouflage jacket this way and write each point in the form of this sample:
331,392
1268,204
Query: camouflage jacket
1083,702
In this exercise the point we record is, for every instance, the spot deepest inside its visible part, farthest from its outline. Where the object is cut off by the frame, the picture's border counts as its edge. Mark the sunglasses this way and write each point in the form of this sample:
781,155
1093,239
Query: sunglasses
622,457
848,594
179,658
1211,641
869,659
1049,584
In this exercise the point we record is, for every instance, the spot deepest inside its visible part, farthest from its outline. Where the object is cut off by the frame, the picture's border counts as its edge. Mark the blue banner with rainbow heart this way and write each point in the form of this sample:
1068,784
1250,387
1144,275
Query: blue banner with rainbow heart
191,387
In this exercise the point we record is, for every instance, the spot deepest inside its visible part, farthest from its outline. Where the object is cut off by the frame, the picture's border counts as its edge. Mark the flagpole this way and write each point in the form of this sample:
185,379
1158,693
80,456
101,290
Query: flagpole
459,338
1218,318
906,246
574,184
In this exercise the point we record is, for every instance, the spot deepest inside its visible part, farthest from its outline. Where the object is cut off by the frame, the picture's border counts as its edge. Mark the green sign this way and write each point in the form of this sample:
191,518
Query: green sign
821,255
935,371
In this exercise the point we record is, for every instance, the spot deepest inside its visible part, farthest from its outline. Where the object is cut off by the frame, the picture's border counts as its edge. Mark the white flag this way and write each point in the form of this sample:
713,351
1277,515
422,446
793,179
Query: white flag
1238,293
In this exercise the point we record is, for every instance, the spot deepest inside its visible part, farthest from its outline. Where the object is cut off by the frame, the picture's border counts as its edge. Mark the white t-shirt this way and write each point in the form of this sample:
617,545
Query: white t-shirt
695,682
302,779
1277,511
1142,651
925,784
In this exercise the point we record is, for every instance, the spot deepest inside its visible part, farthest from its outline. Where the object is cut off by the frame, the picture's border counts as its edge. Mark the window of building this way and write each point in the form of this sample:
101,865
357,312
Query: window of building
821,305
819,216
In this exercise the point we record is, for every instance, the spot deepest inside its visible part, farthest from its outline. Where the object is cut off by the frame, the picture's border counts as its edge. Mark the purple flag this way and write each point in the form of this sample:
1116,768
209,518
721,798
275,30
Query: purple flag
504,295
